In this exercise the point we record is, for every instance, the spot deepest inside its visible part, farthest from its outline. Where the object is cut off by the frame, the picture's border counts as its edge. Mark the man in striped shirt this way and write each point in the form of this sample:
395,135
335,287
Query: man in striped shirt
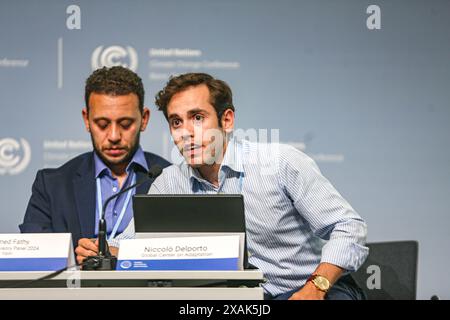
301,233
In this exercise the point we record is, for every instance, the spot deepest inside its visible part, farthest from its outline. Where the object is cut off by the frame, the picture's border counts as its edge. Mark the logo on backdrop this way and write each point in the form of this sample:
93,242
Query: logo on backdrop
114,56
14,156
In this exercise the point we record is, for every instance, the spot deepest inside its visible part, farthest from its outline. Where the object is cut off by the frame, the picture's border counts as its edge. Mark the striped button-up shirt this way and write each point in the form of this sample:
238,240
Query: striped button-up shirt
295,218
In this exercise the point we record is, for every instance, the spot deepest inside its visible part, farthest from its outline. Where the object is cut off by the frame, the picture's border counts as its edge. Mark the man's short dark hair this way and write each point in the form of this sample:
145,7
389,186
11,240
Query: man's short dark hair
114,81
220,95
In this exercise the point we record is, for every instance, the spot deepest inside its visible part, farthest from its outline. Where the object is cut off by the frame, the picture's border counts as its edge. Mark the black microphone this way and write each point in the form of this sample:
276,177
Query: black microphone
104,260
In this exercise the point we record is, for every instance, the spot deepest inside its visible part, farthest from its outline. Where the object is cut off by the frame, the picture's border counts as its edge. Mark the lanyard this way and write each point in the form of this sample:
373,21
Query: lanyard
124,208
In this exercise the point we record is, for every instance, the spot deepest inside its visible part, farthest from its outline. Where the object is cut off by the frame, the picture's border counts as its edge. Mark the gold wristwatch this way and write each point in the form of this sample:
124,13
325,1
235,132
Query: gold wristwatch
321,283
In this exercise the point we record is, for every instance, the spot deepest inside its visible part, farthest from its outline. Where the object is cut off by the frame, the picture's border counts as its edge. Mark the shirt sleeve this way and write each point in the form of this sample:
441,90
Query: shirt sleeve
329,215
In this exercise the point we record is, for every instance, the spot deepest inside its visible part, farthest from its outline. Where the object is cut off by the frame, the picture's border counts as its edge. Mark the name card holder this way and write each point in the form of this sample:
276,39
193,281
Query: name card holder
36,251
180,253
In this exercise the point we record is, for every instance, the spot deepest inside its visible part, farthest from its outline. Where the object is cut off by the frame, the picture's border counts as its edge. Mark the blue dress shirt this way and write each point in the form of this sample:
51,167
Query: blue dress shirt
109,186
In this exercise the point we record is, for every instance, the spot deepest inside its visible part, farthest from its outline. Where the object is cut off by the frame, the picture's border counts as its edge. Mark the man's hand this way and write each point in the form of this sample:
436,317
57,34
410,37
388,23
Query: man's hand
308,292
86,248
114,251
89,247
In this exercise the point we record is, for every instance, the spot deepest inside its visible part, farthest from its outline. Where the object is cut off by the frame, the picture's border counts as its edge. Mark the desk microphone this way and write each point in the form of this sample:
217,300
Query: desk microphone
104,260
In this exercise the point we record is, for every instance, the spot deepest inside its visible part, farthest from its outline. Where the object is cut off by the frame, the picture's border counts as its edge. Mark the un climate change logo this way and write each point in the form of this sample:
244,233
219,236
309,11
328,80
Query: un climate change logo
14,156
114,56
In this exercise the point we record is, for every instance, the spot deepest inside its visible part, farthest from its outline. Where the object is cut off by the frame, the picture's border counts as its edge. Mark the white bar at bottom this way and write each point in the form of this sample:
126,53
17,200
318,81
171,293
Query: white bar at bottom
132,294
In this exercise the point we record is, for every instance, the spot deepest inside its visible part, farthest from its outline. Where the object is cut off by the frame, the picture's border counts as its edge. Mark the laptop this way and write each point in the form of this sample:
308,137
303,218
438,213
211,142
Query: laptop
191,214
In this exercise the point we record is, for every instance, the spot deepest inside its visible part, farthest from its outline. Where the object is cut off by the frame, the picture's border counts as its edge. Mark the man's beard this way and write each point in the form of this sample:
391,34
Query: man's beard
126,160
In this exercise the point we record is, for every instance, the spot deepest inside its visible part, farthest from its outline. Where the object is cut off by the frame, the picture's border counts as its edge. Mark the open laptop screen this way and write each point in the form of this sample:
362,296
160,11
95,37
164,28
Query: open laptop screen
188,214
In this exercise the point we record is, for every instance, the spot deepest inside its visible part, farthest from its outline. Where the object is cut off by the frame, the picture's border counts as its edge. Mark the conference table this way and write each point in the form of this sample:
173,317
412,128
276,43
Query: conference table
133,285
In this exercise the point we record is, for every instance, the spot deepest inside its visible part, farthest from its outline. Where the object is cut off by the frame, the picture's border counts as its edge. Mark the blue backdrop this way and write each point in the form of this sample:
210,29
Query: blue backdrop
363,90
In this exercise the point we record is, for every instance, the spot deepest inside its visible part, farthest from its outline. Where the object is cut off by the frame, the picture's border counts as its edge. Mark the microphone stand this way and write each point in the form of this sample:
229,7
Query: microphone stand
105,260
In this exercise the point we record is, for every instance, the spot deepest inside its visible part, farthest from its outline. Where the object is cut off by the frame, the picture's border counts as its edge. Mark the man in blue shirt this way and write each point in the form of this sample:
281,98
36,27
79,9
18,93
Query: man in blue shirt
70,198
300,231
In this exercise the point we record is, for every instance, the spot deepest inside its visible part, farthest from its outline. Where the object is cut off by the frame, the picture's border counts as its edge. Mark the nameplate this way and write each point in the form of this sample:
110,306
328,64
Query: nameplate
36,251
180,253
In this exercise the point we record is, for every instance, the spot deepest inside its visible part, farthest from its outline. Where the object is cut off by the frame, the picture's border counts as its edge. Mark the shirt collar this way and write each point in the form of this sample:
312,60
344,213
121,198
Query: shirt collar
231,160
138,159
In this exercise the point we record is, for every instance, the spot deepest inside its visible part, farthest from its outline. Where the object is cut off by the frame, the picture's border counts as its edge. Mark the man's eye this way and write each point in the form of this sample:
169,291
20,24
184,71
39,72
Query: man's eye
176,122
126,124
102,125
198,117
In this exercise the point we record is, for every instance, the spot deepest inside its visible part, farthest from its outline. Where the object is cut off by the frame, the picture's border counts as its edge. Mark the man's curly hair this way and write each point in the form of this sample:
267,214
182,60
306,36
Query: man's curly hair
220,95
114,81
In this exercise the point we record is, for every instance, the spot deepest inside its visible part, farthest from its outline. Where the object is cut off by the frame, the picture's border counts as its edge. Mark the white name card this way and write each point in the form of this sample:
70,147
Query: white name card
180,253
36,251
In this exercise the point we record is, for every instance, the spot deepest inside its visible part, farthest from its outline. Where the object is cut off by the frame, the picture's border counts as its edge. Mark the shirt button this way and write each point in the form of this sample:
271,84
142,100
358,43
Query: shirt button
114,189
115,212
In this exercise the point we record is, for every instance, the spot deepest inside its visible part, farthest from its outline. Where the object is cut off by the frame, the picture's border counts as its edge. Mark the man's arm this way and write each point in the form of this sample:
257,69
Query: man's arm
310,291
329,216
38,217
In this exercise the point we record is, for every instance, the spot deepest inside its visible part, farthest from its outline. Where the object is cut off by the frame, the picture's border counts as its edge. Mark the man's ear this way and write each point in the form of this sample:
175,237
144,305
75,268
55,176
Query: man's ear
145,118
227,120
85,115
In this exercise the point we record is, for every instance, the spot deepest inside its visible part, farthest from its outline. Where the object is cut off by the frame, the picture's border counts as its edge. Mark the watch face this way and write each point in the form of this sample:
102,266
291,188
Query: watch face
322,283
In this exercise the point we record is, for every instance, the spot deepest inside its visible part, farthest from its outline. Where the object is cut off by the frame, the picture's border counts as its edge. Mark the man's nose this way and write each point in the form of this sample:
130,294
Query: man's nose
114,134
186,132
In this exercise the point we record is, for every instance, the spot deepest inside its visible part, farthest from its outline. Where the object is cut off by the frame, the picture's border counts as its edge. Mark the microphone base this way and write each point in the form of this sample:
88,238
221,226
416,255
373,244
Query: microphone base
100,263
